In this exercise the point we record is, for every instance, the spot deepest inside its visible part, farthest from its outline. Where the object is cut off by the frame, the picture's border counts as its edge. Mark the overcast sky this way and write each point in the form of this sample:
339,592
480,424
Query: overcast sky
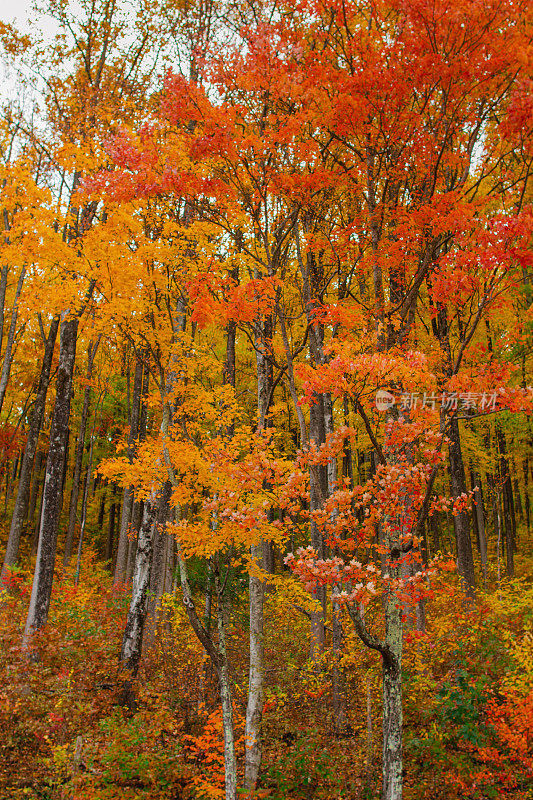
15,11
19,13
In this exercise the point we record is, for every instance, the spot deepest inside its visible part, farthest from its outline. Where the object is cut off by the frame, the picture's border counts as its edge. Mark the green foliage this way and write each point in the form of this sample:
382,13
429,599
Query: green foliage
461,704
304,769
138,749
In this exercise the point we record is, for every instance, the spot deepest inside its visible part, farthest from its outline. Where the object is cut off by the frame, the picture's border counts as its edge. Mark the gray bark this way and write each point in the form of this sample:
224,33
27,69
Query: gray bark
133,537
12,479
53,488
517,496
369,728
3,289
392,761
35,537
8,355
40,459
131,649
338,678
392,704
256,588
154,511
230,762
508,502
121,562
338,682
465,559
86,483
84,510
110,535
391,653
527,507
461,521
73,510
480,518
218,656
317,483
311,272
158,579
127,503
254,708
23,492
101,512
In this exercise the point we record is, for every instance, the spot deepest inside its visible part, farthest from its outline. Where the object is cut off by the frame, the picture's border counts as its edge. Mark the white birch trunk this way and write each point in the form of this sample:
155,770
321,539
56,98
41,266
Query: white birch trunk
230,762
254,708
392,703
130,653
127,502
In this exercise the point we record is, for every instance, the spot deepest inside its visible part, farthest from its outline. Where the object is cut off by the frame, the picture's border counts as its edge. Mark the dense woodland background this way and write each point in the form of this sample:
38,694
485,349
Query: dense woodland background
226,571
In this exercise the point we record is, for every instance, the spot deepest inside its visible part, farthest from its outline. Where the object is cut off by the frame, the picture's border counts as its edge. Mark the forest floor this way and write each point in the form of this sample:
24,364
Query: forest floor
468,701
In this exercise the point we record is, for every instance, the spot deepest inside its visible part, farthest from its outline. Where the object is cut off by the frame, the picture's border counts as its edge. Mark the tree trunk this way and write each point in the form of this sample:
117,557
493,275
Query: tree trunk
8,355
508,504
136,521
159,561
127,503
256,587
121,562
338,679
518,498
23,492
154,510
312,273
11,476
85,496
67,555
83,519
37,528
369,731
3,289
230,762
317,482
53,489
40,459
435,532
254,708
480,517
130,653
465,559
392,704
110,534
527,506
101,512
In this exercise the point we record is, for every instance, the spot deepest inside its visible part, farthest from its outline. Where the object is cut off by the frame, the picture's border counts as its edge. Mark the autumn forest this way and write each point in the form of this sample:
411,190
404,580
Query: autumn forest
266,347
